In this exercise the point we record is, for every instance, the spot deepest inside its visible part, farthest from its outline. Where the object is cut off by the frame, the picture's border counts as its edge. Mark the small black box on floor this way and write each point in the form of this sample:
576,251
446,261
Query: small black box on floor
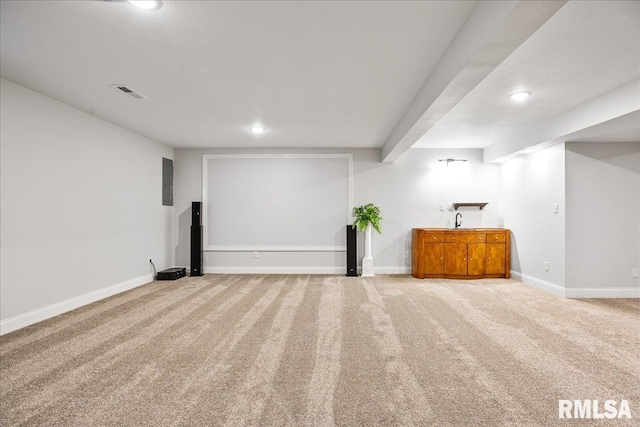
171,273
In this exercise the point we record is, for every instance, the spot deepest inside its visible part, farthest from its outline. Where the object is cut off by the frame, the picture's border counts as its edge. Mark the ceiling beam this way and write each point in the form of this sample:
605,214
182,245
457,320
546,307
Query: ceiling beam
493,31
611,105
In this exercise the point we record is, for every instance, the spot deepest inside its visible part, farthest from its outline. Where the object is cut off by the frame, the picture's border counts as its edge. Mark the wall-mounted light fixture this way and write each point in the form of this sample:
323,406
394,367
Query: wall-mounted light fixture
452,160
141,4
257,129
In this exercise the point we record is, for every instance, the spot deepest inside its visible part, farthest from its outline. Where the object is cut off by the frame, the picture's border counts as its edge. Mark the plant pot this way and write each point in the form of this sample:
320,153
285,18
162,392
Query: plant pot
367,261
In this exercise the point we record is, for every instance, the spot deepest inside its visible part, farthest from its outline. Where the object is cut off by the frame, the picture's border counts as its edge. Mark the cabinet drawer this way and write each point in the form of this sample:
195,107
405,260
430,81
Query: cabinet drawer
496,237
433,237
465,238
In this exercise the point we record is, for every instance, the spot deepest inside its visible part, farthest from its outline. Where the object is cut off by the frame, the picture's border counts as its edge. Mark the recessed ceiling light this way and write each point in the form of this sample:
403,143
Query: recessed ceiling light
519,96
257,129
146,4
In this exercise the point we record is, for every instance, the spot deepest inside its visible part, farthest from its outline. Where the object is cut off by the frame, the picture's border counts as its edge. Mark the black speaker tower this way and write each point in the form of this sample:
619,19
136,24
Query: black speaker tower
352,252
196,239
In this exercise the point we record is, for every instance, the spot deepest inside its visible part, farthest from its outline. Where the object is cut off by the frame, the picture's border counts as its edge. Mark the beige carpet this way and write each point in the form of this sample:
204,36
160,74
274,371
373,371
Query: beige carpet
322,351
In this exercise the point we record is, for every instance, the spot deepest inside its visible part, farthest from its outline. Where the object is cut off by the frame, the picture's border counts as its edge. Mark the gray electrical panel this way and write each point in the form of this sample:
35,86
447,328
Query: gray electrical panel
167,182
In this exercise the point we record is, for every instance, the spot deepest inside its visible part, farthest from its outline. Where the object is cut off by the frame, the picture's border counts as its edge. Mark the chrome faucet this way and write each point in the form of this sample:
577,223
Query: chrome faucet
458,224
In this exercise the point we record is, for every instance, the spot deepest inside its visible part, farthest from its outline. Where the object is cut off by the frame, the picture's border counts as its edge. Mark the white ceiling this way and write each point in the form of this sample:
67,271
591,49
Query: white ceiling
316,74
586,49
621,129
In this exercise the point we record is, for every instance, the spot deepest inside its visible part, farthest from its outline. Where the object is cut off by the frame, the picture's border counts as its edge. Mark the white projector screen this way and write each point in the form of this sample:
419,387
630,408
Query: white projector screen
276,202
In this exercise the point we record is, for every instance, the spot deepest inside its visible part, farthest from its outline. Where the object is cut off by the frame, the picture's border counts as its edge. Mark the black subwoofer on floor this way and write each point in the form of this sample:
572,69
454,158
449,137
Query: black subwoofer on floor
352,251
196,239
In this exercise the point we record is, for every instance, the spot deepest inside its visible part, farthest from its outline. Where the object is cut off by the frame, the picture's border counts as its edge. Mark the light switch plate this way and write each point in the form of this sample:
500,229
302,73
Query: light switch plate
555,208
442,206
546,266
634,272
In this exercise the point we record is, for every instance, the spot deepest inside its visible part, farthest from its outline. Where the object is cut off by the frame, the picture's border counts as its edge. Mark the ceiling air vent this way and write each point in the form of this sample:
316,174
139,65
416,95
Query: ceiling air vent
128,91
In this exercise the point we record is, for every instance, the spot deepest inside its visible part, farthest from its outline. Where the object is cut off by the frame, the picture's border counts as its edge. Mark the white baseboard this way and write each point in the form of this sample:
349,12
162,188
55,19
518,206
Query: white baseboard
275,270
538,284
603,292
299,270
40,314
392,270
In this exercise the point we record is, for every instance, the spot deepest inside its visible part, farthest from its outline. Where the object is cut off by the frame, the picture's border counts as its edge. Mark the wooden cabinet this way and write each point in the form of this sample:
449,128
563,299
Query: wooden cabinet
428,256
496,256
433,258
455,259
475,255
460,254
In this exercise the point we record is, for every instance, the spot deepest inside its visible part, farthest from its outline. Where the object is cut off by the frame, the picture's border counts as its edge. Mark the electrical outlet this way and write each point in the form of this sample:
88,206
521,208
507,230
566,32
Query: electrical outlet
407,254
442,206
634,272
255,255
555,208
546,266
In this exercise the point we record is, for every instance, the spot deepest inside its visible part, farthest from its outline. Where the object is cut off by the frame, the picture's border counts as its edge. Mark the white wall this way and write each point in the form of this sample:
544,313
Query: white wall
308,193
530,186
81,207
408,192
602,220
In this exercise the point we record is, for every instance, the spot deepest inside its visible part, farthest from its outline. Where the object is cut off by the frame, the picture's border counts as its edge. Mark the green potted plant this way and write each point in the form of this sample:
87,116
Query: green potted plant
365,218
365,215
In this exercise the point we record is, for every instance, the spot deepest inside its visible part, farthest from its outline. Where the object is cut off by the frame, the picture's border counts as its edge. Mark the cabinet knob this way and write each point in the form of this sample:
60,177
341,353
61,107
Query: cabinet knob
464,259
441,258
453,238
496,237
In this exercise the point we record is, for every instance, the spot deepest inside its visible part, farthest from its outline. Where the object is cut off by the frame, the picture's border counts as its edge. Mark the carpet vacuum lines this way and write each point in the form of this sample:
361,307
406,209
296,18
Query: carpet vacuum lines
255,392
31,400
567,378
543,328
156,373
323,350
408,395
53,358
489,381
326,371
193,389
39,333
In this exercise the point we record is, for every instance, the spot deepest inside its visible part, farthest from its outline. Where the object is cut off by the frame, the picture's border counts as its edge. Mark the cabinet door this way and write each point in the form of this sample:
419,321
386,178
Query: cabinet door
455,259
417,254
475,265
496,258
433,258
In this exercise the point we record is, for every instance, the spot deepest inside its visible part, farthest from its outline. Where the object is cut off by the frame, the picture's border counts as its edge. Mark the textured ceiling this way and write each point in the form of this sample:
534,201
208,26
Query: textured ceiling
586,49
316,74
622,129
